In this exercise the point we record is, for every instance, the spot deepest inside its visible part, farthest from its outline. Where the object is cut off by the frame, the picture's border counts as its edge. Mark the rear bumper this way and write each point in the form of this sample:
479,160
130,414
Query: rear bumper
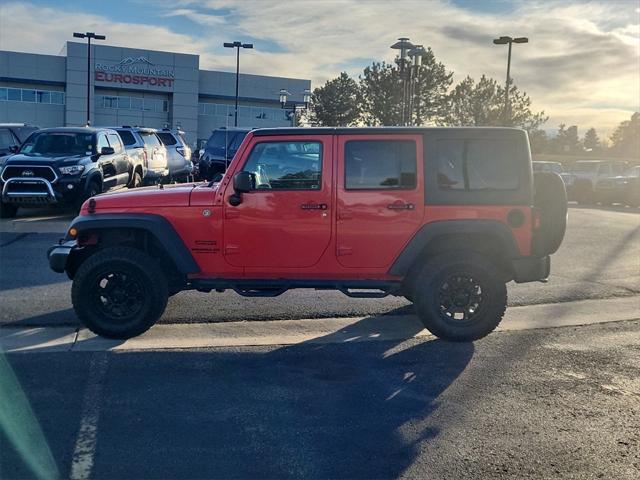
531,269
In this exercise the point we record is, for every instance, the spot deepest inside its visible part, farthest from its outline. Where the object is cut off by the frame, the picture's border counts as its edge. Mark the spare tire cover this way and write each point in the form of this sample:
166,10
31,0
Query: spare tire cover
550,197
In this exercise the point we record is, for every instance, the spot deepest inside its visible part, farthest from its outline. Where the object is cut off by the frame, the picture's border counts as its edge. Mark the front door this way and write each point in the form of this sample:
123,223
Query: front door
285,222
380,197
107,163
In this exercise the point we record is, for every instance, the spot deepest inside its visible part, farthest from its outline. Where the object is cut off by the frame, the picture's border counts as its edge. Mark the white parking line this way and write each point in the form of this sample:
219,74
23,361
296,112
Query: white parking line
85,448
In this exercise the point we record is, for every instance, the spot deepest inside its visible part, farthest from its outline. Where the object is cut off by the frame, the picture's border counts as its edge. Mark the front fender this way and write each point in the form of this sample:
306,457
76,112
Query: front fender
155,225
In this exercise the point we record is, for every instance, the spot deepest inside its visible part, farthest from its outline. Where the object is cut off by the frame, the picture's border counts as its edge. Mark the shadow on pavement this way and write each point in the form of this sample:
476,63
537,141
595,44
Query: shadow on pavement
303,411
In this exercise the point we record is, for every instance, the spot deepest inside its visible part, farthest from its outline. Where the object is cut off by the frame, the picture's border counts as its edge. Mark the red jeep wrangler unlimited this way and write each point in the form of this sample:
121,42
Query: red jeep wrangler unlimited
443,216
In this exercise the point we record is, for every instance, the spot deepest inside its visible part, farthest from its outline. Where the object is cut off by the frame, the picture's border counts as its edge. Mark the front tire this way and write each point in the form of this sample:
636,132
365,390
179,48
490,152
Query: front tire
460,297
93,189
119,292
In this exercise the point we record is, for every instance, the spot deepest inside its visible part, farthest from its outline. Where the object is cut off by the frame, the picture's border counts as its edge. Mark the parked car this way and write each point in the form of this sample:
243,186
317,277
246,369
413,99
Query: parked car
623,189
632,188
219,151
443,216
12,135
540,166
149,155
585,174
63,166
178,154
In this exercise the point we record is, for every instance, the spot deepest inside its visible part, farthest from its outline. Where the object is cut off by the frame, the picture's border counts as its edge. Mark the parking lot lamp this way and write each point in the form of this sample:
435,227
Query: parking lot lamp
404,45
237,46
89,36
294,110
505,40
415,54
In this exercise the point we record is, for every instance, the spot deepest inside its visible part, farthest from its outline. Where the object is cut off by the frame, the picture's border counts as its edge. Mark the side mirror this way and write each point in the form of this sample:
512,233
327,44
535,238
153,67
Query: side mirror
243,182
107,151
14,149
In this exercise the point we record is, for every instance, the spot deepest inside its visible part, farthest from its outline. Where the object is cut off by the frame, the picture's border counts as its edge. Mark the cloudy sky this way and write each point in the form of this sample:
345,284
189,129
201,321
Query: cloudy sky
582,65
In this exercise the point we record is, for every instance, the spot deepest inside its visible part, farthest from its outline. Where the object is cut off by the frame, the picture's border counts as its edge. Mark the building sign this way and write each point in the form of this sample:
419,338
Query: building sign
134,71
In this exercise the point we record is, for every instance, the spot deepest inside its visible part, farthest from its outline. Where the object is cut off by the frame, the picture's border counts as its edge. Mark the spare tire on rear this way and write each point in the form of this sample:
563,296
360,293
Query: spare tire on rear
550,198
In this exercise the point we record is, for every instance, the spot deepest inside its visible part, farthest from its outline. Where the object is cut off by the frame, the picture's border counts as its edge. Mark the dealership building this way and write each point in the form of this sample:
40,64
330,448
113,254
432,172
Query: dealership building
137,87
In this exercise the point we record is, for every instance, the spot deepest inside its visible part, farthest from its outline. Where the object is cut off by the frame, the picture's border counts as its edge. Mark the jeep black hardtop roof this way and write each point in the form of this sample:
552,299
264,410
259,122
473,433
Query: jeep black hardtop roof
370,130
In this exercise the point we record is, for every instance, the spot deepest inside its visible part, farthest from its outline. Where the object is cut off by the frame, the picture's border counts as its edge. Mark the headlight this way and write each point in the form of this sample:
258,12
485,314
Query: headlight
72,170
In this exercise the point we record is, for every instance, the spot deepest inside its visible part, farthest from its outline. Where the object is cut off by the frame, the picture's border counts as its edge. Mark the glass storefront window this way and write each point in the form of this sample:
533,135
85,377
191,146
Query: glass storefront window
14,94
43,97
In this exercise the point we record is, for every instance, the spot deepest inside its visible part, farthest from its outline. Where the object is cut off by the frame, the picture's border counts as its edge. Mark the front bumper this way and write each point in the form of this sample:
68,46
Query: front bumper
40,191
58,255
531,269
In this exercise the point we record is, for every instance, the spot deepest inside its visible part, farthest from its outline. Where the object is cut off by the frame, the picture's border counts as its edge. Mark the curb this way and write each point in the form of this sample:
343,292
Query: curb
312,331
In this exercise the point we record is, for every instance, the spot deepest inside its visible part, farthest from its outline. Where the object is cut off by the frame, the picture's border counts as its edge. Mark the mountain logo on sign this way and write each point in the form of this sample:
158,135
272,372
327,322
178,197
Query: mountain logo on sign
131,61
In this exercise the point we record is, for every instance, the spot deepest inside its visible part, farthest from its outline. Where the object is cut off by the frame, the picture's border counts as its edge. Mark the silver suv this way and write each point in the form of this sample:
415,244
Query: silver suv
148,154
178,154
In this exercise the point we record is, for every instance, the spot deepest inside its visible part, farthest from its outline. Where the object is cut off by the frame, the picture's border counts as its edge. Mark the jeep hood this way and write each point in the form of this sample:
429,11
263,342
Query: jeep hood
169,196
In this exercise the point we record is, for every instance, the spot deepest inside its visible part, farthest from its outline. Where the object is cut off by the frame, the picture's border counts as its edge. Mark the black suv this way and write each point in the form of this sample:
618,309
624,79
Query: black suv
12,135
63,165
219,151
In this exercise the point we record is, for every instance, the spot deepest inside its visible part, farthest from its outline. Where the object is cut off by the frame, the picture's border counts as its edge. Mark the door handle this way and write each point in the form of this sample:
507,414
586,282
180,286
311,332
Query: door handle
314,206
401,206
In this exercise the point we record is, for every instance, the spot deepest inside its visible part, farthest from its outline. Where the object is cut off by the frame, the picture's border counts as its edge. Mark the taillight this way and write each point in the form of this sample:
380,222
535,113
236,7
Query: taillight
180,150
144,156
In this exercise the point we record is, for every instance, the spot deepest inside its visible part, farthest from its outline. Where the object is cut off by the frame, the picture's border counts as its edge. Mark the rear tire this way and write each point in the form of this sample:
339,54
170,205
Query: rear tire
460,297
119,292
136,180
8,210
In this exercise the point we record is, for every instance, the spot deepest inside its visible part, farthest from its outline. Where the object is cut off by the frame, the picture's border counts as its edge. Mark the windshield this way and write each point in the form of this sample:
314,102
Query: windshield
58,144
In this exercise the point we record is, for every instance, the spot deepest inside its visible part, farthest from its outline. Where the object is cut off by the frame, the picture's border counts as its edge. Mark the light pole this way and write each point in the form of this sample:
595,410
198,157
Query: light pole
89,36
415,55
509,41
294,108
237,46
404,45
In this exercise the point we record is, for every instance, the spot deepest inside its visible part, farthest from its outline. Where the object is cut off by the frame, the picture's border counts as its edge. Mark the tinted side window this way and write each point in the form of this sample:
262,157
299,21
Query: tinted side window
237,140
115,142
167,138
6,138
380,164
127,137
286,165
102,141
476,164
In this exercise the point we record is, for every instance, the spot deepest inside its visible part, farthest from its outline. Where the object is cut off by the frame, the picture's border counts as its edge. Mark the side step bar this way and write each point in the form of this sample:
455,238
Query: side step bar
274,288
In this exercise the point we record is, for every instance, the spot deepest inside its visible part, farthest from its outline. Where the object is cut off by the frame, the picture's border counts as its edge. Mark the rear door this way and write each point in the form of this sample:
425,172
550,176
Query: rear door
285,222
380,199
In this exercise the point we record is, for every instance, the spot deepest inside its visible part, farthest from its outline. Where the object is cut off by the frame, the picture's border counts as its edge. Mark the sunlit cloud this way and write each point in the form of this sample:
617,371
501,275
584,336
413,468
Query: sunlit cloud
581,65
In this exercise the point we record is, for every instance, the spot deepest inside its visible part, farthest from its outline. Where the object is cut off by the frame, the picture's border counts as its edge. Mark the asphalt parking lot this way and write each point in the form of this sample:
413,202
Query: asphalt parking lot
600,258
551,403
